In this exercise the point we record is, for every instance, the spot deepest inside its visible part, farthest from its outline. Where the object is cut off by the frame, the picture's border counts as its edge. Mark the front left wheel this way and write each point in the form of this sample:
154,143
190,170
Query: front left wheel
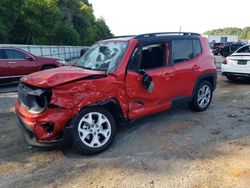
94,130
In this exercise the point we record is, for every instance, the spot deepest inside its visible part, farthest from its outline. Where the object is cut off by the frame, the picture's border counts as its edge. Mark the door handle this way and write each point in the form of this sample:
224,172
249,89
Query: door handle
12,62
196,67
168,75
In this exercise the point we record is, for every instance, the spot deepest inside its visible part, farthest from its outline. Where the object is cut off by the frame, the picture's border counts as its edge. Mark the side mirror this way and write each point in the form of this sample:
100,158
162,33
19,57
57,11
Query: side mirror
28,58
147,81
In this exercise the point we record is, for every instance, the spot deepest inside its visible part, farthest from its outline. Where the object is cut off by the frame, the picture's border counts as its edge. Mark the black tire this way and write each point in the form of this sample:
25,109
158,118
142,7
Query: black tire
48,67
194,104
231,78
82,147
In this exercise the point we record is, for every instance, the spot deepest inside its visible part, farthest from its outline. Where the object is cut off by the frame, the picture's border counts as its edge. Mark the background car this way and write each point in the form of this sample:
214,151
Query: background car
238,64
230,48
15,63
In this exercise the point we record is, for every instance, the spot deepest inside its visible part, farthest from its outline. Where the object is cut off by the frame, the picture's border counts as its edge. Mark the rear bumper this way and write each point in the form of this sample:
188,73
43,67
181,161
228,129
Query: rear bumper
31,139
236,74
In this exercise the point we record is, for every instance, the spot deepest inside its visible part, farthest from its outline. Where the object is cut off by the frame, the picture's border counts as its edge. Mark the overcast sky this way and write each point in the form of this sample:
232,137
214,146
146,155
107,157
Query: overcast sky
126,17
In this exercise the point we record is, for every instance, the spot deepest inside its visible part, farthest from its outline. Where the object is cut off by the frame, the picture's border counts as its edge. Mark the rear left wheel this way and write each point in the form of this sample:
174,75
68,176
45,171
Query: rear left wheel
94,130
202,97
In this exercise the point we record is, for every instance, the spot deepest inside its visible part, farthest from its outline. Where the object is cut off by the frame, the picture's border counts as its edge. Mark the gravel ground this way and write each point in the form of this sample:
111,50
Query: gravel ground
175,148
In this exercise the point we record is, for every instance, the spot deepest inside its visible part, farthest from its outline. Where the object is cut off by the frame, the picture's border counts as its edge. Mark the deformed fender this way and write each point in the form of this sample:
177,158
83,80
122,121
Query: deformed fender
106,91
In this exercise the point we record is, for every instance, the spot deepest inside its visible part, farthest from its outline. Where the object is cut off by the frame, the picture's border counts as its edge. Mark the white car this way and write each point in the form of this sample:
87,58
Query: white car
237,64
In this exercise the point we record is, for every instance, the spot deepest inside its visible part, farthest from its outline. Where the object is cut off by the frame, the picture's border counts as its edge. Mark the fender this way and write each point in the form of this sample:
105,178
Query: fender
211,76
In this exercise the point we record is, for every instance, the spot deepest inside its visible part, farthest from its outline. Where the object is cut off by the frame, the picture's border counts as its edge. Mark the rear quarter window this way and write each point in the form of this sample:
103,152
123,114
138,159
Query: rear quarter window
197,47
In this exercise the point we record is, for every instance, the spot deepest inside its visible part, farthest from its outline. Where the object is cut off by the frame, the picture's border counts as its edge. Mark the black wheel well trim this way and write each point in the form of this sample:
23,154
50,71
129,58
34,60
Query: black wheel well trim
114,107
211,77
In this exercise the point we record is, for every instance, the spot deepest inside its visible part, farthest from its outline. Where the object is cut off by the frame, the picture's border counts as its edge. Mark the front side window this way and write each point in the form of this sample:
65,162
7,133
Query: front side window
14,54
134,62
104,56
182,50
152,56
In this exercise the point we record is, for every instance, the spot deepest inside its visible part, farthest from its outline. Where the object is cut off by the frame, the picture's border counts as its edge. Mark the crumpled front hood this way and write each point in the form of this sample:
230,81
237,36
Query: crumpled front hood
58,76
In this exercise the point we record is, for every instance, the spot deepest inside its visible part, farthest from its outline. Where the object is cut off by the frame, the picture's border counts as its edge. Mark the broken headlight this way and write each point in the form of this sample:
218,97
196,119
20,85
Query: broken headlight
35,100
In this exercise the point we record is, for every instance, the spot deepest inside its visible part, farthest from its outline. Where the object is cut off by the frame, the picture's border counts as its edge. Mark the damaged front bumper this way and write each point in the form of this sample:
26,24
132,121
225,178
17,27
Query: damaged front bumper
31,139
35,130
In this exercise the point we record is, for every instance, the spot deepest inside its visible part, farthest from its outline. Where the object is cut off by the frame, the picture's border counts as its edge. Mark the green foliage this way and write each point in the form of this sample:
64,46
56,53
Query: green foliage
69,22
243,33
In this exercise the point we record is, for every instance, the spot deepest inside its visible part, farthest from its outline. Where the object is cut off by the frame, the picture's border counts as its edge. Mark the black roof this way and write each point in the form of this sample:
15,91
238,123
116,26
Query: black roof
157,37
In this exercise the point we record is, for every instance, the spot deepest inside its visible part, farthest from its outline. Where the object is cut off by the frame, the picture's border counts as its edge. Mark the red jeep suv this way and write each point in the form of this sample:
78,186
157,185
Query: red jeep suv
116,80
15,63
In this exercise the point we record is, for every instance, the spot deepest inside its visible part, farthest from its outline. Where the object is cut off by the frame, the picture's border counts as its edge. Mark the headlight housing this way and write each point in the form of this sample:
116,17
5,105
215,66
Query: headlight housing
35,100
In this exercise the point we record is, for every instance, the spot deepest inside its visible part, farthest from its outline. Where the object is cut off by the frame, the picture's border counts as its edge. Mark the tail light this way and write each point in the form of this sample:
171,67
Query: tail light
224,61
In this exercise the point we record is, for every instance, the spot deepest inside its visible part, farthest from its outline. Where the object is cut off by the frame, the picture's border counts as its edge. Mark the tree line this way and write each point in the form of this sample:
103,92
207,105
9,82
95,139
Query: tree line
243,33
50,22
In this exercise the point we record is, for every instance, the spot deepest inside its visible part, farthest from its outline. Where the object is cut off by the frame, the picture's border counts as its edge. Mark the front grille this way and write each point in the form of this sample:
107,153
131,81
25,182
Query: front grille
23,95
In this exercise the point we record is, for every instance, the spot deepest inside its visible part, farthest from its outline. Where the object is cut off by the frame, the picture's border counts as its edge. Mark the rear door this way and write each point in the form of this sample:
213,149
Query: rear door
185,58
152,60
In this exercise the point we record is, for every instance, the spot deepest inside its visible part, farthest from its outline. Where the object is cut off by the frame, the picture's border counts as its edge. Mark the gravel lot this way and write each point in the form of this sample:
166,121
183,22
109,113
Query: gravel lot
175,148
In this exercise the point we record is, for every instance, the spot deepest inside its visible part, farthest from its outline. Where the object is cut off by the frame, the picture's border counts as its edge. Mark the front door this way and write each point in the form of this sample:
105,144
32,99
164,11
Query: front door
4,68
150,60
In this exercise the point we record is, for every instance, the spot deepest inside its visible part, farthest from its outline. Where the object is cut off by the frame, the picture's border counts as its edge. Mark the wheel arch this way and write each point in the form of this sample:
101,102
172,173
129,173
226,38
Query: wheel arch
114,107
210,77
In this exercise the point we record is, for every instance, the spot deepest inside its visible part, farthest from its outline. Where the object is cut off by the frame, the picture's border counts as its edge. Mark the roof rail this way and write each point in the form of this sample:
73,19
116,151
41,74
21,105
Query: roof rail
123,36
165,33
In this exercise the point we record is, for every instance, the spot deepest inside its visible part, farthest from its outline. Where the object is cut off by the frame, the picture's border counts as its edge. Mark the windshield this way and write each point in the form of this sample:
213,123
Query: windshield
104,56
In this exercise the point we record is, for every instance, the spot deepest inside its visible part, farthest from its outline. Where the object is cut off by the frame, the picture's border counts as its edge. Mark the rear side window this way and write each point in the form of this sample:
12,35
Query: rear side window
197,47
182,50
14,54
